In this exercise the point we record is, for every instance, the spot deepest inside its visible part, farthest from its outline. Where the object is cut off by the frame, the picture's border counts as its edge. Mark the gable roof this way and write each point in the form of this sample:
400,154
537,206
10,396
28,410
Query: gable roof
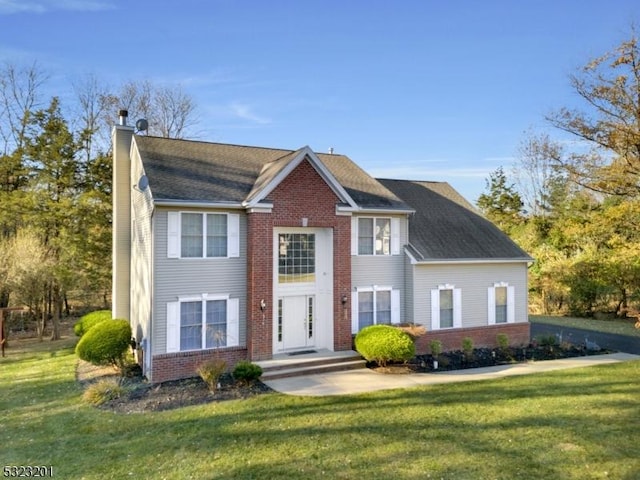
194,171
445,227
274,172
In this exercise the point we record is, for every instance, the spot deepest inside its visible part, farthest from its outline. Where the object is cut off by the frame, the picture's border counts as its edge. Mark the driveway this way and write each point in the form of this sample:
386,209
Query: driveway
621,343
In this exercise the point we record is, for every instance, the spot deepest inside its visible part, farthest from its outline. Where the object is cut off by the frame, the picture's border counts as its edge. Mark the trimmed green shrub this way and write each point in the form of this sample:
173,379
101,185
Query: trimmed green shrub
211,371
436,348
467,348
90,320
503,341
106,343
246,371
384,344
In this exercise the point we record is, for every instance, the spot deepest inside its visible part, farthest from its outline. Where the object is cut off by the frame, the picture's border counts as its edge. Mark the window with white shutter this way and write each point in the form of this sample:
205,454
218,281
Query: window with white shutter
202,322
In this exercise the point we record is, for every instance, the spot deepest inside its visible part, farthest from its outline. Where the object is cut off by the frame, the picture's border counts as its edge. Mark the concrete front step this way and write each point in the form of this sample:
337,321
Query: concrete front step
305,369
283,366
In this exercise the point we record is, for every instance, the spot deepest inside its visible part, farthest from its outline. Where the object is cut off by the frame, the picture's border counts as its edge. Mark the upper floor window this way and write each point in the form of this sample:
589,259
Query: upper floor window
375,236
202,235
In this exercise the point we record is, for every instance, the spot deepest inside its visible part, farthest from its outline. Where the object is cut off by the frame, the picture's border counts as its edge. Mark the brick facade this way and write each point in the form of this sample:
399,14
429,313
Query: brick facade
173,366
302,194
517,333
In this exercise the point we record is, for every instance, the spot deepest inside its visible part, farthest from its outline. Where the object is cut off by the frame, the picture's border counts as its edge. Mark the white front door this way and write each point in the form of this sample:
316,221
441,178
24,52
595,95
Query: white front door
297,321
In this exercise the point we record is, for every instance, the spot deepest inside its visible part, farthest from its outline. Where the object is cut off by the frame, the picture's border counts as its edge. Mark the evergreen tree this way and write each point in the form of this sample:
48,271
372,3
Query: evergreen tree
55,188
502,203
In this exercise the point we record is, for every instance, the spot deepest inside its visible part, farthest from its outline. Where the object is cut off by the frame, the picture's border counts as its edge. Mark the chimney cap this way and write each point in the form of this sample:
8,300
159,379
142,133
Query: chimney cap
123,114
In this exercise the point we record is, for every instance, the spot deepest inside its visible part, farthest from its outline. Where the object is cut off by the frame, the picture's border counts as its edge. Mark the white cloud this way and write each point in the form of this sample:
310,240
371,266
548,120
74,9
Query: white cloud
413,173
245,112
8,7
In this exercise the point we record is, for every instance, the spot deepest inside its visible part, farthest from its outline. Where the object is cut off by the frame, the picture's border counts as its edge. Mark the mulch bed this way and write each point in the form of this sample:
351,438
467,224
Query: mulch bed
487,357
141,396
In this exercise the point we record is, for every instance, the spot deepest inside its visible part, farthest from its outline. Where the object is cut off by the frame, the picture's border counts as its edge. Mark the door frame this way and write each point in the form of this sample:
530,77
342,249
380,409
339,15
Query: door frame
321,289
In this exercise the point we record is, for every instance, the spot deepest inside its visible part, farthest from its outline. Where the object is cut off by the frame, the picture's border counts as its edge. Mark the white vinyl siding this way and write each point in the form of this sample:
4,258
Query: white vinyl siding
202,322
202,235
180,279
446,307
374,306
473,279
501,303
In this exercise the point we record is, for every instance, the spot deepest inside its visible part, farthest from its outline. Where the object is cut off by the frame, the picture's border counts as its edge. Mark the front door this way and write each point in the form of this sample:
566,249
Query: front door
302,288
296,321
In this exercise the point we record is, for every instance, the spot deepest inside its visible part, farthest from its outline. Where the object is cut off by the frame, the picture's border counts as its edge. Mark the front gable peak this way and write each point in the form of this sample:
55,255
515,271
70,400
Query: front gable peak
273,173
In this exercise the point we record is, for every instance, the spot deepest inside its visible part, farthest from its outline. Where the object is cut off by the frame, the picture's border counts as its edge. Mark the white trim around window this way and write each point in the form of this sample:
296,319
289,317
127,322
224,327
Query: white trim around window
380,238
202,322
209,242
372,299
501,303
453,307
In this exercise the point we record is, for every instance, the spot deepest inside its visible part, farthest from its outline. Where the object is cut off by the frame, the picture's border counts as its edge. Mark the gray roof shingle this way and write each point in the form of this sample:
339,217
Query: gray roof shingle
447,227
187,170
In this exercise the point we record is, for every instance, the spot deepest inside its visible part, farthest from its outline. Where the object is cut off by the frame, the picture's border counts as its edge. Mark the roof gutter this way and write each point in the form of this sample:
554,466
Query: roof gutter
462,261
466,261
376,210
197,204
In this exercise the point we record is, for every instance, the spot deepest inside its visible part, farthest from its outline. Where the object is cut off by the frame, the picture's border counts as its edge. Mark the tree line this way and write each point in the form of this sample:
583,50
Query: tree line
55,185
575,206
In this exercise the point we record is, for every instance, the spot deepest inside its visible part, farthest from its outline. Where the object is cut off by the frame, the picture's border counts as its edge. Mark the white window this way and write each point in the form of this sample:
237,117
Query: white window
375,236
202,235
446,307
296,258
501,303
202,322
373,306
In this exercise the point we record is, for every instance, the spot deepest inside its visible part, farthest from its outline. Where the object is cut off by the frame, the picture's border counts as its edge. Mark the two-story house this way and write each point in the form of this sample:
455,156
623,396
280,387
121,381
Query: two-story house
249,252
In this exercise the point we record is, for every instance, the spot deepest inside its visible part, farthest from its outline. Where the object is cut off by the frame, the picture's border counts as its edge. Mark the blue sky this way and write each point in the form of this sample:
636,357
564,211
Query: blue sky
427,90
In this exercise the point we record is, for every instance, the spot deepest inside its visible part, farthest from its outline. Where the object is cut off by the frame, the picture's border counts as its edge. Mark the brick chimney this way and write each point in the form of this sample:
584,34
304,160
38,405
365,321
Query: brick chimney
121,137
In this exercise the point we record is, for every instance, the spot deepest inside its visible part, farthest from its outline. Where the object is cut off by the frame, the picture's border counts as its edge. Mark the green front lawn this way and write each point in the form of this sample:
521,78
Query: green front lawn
620,327
576,424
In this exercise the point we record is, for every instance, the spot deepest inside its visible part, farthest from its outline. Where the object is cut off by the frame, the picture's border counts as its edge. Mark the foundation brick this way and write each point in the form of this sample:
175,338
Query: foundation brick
517,333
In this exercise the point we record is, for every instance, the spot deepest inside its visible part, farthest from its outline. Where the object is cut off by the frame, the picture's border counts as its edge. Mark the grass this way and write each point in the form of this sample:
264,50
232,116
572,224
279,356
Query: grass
578,424
620,327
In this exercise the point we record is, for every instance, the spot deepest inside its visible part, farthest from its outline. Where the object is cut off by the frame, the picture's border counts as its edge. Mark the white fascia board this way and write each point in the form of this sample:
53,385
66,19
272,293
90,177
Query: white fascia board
460,261
412,258
197,204
260,208
386,211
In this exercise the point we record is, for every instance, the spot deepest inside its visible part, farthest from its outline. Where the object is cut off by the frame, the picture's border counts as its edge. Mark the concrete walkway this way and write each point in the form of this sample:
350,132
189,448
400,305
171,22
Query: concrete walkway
365,380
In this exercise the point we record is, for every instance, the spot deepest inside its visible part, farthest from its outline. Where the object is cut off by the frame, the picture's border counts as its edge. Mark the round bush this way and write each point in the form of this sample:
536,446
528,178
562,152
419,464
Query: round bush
384,344
246,371
106,343
90,320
